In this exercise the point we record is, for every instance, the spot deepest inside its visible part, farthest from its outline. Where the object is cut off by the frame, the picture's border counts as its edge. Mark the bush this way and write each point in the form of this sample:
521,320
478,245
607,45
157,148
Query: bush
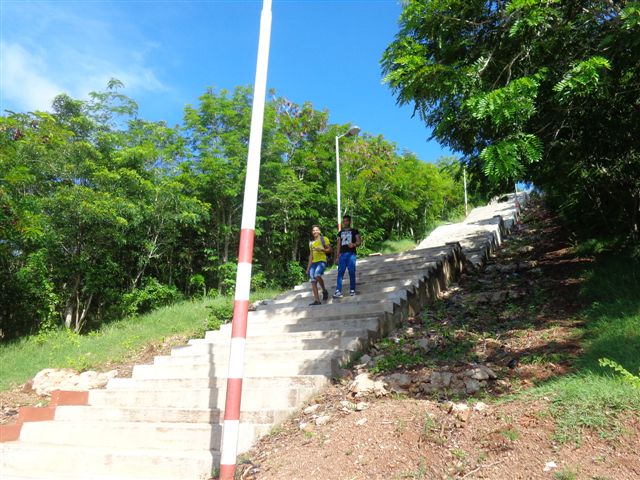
227,272
151,296
220,312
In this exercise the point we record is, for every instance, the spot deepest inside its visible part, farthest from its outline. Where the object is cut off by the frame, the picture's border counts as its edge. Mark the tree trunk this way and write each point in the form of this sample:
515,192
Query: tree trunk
635,218
70,309
82,317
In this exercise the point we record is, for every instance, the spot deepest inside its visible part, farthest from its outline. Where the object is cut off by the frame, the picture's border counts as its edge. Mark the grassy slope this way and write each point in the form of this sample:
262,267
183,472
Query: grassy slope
21,360
595,396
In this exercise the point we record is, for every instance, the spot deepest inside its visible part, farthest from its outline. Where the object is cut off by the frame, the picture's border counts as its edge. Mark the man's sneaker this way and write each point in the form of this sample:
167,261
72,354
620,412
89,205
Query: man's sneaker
337,294
325,294
352,292
315,303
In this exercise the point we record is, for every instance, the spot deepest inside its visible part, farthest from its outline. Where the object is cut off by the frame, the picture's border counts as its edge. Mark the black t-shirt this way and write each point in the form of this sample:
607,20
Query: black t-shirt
345,237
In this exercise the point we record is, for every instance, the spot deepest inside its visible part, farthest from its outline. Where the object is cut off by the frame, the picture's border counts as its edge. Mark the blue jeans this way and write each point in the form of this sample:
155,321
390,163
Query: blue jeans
346,260
316,270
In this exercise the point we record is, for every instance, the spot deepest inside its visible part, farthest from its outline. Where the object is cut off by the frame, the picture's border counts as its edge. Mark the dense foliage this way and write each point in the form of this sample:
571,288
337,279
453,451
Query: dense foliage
103,214
539,90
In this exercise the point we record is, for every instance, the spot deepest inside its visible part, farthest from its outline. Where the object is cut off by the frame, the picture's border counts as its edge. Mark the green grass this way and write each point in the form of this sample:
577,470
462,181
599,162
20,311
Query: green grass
22,359
565,474
397,246
595,397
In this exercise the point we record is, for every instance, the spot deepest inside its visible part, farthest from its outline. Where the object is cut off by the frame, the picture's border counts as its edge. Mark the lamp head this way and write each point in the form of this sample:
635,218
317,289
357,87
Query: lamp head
355,130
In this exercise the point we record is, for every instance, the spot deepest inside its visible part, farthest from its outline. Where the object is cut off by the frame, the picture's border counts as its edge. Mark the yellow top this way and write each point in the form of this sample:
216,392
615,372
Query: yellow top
318,250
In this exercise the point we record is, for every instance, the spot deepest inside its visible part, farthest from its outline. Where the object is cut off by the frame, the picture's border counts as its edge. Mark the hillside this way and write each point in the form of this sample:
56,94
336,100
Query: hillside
542,417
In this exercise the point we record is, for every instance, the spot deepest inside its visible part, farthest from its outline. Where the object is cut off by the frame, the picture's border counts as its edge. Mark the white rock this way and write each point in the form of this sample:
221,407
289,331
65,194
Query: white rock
477,373
51,379
311,409
362,386
458,407
423,344
323,420
398,380
461,411
360,406
436,379
347,405
471,385
549,466
361,422
492,375
428,388
480,406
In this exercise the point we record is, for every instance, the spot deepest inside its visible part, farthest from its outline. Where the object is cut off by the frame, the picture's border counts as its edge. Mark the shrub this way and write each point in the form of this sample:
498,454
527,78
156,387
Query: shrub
220,312
151,296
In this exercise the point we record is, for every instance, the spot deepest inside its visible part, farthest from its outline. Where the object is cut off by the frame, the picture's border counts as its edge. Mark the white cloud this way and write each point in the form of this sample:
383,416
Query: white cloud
24,81
70,52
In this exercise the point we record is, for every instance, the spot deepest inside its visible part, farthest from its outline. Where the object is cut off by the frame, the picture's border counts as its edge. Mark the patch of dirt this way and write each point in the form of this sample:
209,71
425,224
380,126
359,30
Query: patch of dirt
518,317
25,396
418,439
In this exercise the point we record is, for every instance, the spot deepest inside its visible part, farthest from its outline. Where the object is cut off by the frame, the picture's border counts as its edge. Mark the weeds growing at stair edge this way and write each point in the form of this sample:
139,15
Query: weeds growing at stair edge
397,246
594,396
60,348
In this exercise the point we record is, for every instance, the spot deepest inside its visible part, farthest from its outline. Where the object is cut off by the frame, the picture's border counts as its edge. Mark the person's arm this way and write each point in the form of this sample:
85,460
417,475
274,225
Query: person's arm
358,240
310,259
338,247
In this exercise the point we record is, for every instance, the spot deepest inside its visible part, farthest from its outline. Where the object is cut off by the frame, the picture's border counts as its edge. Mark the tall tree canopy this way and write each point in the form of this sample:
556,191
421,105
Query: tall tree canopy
103,214
540,90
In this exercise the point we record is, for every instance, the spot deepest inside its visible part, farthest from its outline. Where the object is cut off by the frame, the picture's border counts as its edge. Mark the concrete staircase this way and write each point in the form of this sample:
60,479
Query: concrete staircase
165,421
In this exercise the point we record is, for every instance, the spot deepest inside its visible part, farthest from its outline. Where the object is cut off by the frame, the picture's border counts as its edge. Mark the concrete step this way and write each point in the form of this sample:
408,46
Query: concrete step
375,272
315,340
125,435
136,435
363,289
220,357
253,399
297,381
345,308
261,327
303,362
65,477
81,413
398,275
43,460
329,336
365,293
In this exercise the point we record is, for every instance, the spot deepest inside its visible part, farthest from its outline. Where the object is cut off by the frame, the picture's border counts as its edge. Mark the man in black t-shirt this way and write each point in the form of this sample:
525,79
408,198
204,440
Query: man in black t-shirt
347,243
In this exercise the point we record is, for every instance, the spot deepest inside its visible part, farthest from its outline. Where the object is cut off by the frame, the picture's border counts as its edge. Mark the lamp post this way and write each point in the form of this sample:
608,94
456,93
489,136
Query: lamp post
349,133
464,173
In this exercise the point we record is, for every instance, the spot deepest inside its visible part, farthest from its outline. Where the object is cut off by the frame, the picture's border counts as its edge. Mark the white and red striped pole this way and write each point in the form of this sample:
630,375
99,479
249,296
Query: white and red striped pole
229,446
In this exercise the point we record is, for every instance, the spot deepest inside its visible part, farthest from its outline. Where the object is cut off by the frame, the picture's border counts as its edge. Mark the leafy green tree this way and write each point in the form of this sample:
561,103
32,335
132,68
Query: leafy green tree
545,91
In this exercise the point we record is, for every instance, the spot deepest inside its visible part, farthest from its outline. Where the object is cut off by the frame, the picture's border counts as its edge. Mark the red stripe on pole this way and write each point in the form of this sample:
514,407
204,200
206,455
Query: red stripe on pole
239,324
232,405
227,471
245,254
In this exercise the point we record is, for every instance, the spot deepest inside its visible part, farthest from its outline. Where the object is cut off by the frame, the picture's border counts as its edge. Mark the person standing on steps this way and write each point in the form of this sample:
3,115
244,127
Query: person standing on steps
348,241
319,246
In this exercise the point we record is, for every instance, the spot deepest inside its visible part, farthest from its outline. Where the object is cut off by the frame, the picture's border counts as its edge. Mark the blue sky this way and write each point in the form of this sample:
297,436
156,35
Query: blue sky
168,52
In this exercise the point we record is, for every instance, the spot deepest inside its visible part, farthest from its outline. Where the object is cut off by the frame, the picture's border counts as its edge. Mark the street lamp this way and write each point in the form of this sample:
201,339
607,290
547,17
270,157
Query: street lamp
353,131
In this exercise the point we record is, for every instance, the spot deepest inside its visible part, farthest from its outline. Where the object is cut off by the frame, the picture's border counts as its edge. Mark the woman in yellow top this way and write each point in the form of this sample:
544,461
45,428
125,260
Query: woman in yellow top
318,249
